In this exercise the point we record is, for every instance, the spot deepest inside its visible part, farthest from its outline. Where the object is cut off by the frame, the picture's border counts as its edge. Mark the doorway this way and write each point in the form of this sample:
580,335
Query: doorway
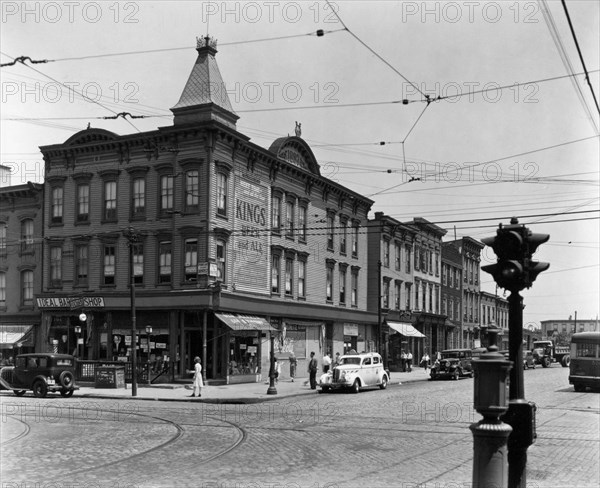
193,348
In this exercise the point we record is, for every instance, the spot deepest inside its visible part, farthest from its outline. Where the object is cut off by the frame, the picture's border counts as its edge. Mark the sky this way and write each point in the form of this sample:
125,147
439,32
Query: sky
521,140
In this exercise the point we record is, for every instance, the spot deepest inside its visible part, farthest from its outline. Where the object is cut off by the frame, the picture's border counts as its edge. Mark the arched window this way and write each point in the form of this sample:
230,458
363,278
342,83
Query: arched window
27,288
222,193
221,260
27,236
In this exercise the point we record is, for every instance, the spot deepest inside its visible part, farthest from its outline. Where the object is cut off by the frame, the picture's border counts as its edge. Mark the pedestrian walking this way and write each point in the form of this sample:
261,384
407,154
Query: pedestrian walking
313,365
409,360
403,359
425,361
277,370
198,383
326,363
293,364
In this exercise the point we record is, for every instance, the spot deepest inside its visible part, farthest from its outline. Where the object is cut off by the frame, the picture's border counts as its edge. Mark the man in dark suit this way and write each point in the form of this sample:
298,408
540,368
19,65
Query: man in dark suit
312,371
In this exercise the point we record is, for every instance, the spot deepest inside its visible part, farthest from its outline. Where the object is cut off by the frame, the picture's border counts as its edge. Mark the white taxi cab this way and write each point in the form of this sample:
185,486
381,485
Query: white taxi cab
356,372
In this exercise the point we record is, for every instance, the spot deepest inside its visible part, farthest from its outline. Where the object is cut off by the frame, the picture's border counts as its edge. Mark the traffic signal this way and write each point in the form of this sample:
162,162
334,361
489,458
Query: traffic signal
514,245
509,271
534,268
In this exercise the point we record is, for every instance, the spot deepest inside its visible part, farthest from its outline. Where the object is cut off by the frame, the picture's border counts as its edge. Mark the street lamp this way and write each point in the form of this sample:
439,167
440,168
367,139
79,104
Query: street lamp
77,332
272,390
149,332
78,329
133,238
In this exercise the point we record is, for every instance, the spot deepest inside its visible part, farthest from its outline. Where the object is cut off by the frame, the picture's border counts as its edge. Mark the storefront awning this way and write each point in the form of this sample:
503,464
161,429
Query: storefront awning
15,335
244,322
405,329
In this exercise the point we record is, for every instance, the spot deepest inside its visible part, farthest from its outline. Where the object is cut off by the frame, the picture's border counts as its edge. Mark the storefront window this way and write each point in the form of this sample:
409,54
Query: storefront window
243,352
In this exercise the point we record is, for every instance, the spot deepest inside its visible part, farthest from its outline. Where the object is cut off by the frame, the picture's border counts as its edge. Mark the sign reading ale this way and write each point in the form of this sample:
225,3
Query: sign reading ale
251,245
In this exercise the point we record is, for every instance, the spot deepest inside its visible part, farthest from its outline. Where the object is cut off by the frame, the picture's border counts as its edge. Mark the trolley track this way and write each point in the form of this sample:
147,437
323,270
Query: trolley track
180,431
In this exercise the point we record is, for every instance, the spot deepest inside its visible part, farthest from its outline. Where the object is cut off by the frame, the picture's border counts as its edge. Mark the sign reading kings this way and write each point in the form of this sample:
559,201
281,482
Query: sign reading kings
251,242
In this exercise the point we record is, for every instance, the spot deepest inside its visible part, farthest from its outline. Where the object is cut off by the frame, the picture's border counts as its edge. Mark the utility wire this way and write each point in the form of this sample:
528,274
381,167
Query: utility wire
323,230
587,76
76,92
514,85
375,53
566,60
318,33
554,146
357,104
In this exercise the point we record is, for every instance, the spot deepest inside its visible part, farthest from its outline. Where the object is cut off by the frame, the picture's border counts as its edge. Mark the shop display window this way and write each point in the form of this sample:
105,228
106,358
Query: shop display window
244,353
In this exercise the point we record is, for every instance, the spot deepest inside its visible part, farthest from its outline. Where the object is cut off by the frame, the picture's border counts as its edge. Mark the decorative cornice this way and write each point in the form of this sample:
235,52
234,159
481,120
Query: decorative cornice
82,177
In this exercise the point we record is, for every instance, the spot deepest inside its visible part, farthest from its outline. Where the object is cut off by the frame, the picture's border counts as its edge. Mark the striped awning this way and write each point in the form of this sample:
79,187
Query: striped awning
15,335
405,329
244,322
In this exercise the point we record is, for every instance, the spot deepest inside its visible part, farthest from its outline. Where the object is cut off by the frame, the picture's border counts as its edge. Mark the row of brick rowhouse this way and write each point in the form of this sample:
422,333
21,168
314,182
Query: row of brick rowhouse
212,245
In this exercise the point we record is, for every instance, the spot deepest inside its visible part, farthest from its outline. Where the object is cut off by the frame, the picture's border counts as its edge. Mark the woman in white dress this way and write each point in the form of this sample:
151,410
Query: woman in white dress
198,384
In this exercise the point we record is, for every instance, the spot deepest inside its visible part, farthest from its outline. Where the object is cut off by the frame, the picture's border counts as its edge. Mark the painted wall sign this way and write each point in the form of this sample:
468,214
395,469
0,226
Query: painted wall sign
251,245
351,329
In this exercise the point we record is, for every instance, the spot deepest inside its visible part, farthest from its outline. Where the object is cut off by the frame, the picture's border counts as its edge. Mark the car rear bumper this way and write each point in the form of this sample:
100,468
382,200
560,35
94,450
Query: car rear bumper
592,381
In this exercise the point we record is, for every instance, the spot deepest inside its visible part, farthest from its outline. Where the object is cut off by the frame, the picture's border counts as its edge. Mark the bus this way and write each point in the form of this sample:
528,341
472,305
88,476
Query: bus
585,361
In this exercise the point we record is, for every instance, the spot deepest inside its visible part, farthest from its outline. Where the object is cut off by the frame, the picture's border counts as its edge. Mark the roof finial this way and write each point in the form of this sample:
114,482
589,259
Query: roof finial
206,42
298,129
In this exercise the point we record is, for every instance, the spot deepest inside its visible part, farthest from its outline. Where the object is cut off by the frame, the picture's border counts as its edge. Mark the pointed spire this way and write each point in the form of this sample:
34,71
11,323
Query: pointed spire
205,96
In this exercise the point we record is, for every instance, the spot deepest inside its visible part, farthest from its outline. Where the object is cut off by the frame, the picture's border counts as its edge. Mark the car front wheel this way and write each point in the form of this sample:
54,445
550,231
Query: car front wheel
19,392
40,389
384,383
66,393
455,375
356,386
66,379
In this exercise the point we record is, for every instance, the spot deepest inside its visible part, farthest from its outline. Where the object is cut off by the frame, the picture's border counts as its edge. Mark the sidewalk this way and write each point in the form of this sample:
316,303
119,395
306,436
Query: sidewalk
234,394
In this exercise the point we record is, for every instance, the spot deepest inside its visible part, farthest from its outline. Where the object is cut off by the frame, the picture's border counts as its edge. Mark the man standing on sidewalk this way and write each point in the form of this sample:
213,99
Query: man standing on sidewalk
326,363
312,371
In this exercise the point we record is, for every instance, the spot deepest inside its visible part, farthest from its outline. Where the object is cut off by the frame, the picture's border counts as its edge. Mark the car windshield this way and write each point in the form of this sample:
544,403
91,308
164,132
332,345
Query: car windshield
451,354
350,360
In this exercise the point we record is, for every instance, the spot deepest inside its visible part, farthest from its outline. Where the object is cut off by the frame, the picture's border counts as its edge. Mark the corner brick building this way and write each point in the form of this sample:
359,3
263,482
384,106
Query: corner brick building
225,241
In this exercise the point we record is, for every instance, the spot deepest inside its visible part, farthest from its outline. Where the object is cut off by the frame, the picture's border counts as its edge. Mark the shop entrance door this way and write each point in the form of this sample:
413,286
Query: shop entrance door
193,348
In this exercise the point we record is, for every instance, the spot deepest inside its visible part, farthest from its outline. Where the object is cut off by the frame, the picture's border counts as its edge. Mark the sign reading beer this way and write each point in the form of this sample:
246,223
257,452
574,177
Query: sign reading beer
251,241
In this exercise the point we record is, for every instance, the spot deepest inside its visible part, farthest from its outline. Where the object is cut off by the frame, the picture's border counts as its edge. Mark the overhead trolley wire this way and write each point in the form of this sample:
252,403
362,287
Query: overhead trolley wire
565,59
587,76
375,53
554,146
147,51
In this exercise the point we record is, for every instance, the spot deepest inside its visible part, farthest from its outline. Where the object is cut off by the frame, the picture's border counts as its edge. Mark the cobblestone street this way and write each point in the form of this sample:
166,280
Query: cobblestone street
408,435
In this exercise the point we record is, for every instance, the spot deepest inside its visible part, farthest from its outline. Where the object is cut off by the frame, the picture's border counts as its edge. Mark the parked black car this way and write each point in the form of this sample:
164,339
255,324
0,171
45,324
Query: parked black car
41,373
453,364
528,358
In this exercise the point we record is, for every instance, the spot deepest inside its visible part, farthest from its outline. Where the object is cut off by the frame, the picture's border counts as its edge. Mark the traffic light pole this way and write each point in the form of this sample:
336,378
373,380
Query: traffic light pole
515,345
515,270
520,414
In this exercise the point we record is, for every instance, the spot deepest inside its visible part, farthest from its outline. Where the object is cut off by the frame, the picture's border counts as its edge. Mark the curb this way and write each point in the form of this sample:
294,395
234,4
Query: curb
230,401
